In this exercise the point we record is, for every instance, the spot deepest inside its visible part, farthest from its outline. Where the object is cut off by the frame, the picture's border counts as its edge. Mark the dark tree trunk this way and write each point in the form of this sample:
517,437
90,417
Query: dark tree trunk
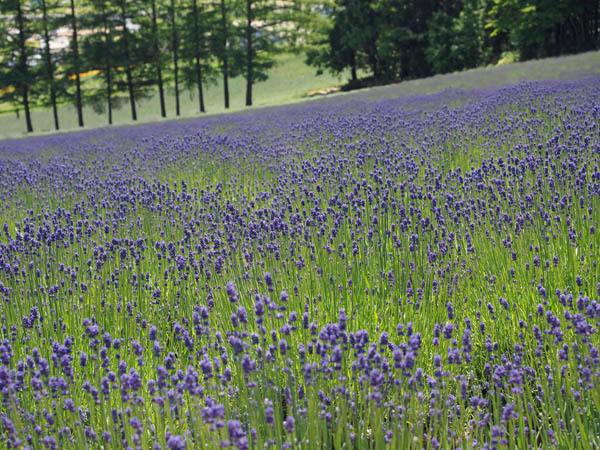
108,43
371,51
49,68
23,67
175,57
585,30
596,43
198,67
109,94
77,68
161,92
127,61
249,55
353,66
225,69
404,66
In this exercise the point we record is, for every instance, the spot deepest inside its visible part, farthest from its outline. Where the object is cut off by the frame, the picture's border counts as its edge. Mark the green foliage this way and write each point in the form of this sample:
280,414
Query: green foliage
402,39
19,70
140,52
51,80
196,43
223,42
101,53
539,28
17,67
324,41
351,39
257,19
385,37
455,43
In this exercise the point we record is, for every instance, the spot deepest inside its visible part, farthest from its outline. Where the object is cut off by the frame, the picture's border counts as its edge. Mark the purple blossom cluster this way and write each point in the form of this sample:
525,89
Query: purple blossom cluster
402,272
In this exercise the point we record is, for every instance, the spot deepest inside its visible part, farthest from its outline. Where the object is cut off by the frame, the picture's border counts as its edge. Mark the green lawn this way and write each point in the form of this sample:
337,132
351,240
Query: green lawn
290,80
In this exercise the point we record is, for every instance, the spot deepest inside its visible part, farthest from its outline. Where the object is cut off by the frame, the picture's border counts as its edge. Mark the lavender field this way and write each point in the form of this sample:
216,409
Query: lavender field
414,266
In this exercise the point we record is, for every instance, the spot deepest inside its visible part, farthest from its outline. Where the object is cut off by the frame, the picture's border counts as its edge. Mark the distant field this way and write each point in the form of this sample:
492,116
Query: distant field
290,80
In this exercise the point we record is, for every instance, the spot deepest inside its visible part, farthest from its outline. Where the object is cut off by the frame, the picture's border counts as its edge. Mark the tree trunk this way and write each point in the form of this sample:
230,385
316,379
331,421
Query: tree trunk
161,92
109,95
558,39
175,58
353,66
49,68
249,52
225,69
77,69
128,62
23,67
596,23
198,67
371,51
108,42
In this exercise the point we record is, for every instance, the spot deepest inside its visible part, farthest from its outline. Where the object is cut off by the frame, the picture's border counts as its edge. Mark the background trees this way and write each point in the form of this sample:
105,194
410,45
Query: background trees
198,21
260,34
108,53
400,39
51,88
102,55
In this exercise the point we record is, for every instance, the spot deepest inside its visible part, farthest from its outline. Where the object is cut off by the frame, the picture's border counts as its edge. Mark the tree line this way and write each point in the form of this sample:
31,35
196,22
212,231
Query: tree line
134,49
393,40
109,53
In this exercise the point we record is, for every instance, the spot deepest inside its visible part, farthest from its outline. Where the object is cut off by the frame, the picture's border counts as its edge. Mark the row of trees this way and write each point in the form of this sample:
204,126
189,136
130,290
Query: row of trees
399,39
133,49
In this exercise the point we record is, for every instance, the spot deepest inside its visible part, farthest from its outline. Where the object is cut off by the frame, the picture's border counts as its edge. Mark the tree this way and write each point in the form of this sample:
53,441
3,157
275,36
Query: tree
151,45
223,50
195,51
403,38
174,51
101,54
470,34
15,71
74,64
539,28
441,52
333,47
456,43
134,44
126,55
261,32
46,24
350,41
314,24
158,60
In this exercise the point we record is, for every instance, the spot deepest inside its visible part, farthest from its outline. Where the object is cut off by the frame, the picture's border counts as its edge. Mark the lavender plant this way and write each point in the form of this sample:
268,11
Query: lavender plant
373,270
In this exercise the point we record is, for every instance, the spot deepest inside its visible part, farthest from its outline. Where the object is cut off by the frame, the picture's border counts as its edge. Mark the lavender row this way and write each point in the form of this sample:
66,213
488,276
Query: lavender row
402,272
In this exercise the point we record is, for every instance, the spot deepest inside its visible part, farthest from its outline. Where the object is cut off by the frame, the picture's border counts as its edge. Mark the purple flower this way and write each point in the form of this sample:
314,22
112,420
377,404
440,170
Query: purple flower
231,292
289,424
269,280
176,443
